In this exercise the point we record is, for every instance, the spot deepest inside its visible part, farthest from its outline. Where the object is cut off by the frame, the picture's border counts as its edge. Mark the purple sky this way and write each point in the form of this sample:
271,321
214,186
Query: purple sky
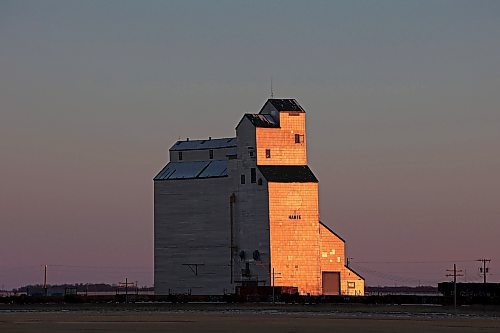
403,110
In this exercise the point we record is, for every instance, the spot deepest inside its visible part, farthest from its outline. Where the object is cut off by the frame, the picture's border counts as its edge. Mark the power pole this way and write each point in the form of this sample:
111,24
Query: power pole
45,280
484,270
348,261
126,284
273,277
273,285
455,274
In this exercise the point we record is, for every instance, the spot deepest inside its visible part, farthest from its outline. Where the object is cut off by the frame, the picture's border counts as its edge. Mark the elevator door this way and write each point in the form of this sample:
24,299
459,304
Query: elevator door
331,283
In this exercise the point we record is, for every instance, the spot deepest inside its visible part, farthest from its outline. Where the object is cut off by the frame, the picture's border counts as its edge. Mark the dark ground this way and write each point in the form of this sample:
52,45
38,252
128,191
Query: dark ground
261,318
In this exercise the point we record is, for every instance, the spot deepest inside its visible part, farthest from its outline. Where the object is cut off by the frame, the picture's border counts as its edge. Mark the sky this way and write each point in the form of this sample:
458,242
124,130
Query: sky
403,120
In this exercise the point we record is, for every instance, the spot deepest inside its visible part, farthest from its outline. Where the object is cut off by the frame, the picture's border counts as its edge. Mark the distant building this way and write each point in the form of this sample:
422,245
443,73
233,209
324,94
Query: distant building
244,211
470,289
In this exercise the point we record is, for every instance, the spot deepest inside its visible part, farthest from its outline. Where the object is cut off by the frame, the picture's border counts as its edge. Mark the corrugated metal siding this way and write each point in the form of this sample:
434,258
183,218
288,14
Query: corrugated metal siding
192,226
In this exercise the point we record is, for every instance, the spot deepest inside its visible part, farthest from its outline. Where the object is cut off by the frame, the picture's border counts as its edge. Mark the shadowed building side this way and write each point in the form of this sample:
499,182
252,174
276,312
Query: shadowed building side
192,236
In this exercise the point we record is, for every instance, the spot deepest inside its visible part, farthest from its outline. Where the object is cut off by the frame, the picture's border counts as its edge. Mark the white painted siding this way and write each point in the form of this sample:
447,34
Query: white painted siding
192,227
252,210
200,155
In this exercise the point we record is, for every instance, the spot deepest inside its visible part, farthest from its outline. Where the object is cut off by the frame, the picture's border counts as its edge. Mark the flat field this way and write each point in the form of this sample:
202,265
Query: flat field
187,318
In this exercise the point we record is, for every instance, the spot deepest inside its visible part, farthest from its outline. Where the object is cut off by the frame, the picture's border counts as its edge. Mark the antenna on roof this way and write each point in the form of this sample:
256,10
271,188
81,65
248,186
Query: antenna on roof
272,92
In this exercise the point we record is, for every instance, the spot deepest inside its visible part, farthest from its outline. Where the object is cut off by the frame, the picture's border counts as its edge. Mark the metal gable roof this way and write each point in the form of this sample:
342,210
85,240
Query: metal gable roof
288,173
333,232
204,144
215,169
193,170
287,104
262,120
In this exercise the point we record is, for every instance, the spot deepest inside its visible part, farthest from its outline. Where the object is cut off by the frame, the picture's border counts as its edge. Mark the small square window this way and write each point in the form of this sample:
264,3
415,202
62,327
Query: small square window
268,153
242,179
250,153
211,154
351,285
299,138
180,156
259,181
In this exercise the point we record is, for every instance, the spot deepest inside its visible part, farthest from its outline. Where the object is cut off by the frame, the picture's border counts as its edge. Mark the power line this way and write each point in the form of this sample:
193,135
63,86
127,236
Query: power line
412,262
393,277
98,267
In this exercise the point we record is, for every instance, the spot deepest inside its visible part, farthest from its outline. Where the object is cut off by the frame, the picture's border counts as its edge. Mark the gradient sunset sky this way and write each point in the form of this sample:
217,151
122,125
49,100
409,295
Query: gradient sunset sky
403,111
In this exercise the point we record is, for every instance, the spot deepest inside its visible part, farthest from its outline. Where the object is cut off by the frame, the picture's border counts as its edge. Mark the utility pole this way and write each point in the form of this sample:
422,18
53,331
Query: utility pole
126,290
45,280
273,281
455,274
484,270
126,284
273,285
232,201
348,261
